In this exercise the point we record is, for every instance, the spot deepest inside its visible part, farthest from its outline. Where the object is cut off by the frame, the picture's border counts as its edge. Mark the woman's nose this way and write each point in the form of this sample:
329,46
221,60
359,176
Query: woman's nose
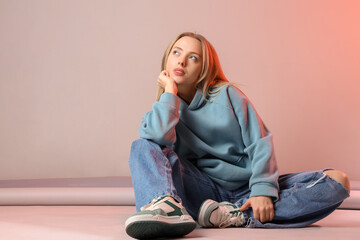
181,62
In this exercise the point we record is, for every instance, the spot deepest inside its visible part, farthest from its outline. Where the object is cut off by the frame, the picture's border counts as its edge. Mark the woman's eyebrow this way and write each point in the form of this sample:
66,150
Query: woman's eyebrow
190,52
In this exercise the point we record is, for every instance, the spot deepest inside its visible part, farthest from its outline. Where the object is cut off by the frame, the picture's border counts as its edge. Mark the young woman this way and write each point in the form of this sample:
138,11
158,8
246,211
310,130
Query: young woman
205,155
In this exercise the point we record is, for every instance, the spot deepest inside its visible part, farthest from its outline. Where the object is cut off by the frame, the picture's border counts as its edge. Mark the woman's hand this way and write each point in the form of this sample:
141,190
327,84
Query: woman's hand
167,83
262,207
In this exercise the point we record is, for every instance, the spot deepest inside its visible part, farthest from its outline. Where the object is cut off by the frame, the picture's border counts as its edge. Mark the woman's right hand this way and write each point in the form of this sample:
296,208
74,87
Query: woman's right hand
167,83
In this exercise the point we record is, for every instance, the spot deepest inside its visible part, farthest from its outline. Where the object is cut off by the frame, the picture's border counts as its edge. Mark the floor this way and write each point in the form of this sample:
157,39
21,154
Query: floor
89,209
107,222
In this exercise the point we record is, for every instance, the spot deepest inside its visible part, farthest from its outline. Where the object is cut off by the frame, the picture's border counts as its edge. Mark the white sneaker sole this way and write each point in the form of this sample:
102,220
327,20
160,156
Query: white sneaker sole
150,226
160,218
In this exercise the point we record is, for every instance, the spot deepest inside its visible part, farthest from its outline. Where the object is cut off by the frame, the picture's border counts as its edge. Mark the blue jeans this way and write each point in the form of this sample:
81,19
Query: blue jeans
304,198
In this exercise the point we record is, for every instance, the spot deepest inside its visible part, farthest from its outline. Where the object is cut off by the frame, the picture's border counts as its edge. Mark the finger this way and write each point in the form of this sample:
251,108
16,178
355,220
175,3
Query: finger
266,216
161,74
262,214
159,81
269,214
272,214
162,80
256,214
245,206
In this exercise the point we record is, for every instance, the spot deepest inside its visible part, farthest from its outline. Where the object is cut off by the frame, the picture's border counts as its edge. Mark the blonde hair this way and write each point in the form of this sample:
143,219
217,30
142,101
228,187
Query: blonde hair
212,78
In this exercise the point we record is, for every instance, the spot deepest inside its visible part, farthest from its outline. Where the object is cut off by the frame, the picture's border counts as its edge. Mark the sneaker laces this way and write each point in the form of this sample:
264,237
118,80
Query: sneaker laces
234,218
227,217
151,205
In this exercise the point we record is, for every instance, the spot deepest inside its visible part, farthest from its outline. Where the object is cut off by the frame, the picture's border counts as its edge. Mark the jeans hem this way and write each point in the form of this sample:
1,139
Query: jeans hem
168,194
341,186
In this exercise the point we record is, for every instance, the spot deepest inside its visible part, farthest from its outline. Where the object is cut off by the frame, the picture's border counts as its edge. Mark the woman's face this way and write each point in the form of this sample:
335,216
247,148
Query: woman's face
184,62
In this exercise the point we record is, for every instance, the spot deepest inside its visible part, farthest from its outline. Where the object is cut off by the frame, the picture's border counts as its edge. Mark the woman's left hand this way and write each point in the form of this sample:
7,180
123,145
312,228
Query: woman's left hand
262,206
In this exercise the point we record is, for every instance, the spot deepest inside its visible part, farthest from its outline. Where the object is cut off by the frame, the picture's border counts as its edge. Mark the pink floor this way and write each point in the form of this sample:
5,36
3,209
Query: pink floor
107,222
87,210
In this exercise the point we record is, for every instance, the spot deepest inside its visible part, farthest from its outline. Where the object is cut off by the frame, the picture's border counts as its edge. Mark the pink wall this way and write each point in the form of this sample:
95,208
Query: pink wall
76,77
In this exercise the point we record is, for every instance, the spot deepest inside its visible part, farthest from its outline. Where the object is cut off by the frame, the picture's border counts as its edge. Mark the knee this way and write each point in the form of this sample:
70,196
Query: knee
142,144
138,147
139,141
340,177
142,149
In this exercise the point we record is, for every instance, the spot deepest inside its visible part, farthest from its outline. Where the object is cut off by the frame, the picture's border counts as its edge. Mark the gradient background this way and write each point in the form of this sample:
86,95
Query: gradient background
76,77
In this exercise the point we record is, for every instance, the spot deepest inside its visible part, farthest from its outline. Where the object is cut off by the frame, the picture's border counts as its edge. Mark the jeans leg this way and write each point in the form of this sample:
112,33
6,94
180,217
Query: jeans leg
150,173
305,198
157,171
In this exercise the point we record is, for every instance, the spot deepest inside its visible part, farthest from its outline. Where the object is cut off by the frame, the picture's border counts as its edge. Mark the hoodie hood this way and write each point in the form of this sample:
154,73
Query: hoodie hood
197,102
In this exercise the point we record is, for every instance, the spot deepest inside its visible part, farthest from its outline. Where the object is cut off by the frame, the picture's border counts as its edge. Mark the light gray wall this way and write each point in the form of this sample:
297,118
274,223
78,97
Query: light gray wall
76,77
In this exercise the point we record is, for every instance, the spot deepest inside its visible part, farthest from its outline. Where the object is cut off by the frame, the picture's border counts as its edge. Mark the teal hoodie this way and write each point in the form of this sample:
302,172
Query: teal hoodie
224,137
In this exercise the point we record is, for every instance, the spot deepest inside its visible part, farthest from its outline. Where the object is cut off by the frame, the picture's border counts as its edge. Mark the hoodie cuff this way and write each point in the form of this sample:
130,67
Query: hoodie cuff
170,99
265,190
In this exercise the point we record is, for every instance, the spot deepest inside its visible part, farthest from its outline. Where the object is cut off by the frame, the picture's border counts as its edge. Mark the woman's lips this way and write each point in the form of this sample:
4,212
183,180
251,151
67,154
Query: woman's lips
179,72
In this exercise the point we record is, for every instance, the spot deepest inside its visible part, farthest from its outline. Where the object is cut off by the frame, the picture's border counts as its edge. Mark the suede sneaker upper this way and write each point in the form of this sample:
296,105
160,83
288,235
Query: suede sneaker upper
222,215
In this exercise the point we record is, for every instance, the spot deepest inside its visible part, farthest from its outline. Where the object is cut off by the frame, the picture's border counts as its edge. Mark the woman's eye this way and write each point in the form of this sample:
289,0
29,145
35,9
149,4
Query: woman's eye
193,58
175,52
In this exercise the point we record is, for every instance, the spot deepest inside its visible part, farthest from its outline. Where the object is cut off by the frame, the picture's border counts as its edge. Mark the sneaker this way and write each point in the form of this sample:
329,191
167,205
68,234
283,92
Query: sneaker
221,215
164,217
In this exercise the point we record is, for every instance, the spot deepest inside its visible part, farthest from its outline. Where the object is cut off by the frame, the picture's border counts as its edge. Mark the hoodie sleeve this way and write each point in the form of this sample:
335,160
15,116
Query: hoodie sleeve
258,146
159,124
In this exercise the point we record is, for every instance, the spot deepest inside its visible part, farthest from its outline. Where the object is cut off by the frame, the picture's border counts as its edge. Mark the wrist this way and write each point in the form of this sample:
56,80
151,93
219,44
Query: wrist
171,89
